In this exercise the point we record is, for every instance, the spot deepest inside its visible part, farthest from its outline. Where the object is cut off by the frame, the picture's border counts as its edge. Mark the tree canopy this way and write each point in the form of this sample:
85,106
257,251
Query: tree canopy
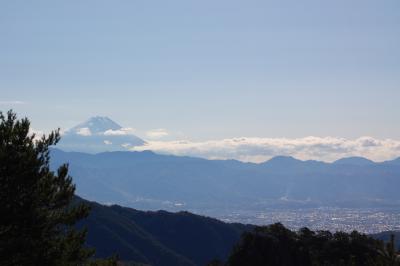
277,245
37,216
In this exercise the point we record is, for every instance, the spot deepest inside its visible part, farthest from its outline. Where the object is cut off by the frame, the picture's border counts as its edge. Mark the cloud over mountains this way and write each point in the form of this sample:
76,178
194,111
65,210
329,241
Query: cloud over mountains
262,149
100,134
120,132
157,133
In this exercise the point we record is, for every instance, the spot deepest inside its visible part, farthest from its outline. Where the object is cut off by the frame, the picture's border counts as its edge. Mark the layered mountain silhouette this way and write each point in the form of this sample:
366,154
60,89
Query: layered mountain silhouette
165,238
147,180
99,134
158,238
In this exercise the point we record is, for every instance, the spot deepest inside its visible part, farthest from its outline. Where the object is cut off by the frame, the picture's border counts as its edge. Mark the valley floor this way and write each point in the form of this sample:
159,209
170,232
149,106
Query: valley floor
366,220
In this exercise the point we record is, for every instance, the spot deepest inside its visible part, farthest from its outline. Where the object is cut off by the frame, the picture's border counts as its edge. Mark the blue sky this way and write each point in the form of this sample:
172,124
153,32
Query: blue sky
206,69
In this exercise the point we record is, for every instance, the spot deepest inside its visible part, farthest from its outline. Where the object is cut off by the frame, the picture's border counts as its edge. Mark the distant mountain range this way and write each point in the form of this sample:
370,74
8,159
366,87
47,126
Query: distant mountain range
158,238
146,180
99,134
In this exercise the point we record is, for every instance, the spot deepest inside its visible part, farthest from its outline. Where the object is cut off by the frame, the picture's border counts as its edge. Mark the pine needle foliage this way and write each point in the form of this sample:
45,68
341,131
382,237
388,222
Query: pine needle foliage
37,216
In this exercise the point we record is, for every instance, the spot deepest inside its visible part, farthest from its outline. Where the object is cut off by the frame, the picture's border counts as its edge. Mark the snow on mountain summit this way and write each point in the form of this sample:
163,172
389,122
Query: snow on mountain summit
99,134
96,125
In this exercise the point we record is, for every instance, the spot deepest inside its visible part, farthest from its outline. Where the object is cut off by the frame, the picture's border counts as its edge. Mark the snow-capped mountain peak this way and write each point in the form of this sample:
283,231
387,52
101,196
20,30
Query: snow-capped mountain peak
94,125
99,134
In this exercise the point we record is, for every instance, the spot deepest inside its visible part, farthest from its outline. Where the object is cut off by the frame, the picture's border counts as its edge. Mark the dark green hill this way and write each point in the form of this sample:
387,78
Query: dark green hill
159,238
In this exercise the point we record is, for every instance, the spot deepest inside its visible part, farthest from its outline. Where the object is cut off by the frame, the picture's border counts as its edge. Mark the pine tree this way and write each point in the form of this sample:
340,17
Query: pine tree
37,215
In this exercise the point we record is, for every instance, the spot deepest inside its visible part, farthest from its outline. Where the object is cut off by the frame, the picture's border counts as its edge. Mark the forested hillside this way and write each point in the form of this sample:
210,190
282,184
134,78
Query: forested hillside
158,238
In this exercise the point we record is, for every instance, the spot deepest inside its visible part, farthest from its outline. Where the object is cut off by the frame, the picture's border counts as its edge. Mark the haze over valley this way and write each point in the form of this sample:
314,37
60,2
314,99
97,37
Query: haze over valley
200,133
283,188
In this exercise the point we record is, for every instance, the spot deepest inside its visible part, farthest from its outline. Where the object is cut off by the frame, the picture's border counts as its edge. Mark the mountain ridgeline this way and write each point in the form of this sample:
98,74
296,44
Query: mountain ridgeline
158,238
151,181
182,238
43,219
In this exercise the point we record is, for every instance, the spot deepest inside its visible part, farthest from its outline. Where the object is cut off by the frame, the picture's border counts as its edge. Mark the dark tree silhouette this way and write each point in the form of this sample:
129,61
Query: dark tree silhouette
269,245
278,246
36,214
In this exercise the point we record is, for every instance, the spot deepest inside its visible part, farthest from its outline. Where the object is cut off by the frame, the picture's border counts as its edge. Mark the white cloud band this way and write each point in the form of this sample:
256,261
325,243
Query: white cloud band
120,132
84,131
157,133
262,149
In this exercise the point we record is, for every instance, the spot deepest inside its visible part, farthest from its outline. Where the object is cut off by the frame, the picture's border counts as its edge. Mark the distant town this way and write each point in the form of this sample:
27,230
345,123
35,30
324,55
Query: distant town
368,220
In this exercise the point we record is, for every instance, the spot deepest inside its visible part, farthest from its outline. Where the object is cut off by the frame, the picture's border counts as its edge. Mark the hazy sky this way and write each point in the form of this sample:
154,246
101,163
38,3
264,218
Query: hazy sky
206,69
